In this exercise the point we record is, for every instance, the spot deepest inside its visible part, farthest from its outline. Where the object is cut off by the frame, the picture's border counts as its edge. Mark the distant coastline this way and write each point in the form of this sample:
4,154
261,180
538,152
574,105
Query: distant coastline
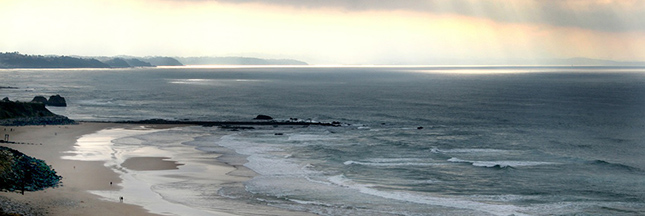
18,60
237,61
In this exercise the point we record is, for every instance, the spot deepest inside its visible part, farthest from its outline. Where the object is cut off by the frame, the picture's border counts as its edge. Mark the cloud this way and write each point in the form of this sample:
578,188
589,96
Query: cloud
598,15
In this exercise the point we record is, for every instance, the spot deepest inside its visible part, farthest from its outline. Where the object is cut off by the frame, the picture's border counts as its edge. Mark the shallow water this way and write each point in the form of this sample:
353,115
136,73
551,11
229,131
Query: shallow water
526,141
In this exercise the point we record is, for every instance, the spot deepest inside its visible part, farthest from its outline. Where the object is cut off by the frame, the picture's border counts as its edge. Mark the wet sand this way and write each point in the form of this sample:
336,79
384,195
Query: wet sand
150,163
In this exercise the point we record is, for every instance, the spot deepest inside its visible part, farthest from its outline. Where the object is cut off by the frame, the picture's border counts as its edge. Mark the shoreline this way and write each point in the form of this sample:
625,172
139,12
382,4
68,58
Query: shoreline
93,187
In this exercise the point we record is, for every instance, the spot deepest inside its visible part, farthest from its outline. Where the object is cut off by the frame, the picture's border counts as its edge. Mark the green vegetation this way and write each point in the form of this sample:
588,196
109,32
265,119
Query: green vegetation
20,173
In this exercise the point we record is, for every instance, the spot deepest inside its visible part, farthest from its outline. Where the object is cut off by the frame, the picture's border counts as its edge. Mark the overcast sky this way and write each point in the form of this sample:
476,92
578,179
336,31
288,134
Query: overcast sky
330,31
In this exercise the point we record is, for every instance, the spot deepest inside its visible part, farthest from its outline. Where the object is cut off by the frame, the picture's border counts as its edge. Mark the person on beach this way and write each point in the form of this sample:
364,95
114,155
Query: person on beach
121,199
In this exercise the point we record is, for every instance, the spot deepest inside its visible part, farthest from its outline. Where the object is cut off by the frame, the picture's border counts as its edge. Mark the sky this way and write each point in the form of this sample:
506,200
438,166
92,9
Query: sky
330,31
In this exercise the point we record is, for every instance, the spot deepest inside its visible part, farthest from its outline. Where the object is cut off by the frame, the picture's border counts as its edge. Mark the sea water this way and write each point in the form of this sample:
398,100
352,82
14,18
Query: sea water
416,140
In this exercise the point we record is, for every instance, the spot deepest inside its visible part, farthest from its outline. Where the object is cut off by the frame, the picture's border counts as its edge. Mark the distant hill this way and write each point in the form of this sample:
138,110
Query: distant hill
133,62
148,61
17,60
162,61
117,63
124,62
237,61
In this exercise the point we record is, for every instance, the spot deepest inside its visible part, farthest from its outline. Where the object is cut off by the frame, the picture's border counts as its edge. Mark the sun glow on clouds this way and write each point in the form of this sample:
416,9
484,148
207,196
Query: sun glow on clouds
318,35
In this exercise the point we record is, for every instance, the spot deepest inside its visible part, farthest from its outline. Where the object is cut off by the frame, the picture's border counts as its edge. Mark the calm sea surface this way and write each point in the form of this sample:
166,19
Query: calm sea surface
495,141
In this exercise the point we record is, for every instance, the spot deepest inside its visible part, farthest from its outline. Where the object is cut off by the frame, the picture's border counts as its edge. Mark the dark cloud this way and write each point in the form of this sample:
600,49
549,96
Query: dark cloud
618,16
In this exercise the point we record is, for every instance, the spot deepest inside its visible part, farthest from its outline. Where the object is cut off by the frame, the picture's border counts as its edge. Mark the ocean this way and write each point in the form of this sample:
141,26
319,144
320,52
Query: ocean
415,140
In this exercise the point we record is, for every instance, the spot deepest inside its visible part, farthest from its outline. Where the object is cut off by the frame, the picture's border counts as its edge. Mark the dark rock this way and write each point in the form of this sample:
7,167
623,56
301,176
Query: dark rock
263,117
236,128
11,109
43,120
56,100
5,99
39,99
419,128
21,113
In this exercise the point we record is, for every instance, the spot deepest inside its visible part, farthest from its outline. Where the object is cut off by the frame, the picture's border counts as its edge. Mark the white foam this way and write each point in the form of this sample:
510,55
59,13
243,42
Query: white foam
501,163
453,202
310,203
391,163
510,163
264,158
472,150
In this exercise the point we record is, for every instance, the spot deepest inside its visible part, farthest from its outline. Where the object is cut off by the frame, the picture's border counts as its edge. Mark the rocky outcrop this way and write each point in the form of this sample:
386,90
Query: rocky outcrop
23,113
46,120
39,99
263,117
56,100
20,109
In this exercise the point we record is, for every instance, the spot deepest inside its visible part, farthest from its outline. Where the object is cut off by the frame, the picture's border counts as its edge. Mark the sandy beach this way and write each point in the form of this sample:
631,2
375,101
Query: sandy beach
86,183
48,143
